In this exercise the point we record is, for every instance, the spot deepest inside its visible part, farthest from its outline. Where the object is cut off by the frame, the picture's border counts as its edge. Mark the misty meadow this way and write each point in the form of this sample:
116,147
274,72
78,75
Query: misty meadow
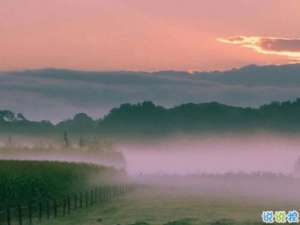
161,112
210,151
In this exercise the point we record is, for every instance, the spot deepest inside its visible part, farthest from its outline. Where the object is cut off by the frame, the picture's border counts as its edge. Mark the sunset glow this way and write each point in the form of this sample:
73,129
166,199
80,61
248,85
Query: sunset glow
149,112
143,35
268,46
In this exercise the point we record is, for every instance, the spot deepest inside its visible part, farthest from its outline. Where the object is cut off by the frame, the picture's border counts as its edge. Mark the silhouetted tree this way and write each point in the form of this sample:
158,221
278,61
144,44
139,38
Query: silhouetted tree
66,139
81,142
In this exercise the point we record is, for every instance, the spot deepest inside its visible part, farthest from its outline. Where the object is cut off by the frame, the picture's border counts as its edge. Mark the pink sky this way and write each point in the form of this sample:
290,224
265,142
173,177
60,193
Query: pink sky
145,35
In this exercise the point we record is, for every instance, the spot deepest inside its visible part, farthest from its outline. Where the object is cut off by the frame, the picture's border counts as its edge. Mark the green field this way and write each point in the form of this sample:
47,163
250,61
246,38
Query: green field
213,200
187,200
157,206
31,181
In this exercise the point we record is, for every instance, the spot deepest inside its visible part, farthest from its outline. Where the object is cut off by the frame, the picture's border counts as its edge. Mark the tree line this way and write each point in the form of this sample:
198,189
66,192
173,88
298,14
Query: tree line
148,119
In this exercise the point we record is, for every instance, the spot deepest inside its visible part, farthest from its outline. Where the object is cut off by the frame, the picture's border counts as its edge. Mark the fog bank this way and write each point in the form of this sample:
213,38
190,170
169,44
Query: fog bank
214,154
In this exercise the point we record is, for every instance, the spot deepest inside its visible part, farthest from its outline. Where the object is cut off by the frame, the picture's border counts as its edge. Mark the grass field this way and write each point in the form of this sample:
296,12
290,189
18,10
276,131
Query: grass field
28,181
172,207
178,206
207,200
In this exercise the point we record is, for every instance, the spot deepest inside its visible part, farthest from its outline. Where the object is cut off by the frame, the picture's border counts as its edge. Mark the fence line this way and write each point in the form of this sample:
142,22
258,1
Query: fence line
47,209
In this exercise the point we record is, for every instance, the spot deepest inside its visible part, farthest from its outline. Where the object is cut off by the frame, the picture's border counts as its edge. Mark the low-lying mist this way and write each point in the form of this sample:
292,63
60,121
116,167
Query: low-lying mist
252,165
213,155
181,155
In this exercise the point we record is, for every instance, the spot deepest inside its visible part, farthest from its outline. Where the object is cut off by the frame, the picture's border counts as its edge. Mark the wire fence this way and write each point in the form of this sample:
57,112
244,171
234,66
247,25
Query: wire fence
34,213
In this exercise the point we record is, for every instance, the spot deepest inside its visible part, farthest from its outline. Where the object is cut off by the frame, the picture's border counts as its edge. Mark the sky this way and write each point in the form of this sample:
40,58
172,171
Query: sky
144,35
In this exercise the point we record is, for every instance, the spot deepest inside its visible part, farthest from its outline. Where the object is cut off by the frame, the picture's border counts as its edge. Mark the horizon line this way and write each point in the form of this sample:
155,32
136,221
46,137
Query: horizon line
144,71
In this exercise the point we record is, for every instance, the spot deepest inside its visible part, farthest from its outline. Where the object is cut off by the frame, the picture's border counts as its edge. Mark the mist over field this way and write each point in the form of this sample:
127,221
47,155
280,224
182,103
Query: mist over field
185,155
213,155
135,112
258,168
174,155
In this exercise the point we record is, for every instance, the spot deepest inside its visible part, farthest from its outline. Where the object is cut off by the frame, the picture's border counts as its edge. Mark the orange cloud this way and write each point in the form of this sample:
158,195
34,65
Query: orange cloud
288,47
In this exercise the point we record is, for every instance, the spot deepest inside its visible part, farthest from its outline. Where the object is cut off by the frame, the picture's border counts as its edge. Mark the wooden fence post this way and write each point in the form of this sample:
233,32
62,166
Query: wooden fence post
86,199
54,208
69,204
8,216
75,201
48,209
96,195
20,219
91,197
109,192
40,211
104,193
64,207
30,213
80,200
100,194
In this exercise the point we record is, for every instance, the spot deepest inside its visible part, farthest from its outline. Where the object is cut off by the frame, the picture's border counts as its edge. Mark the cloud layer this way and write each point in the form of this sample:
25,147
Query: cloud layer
59,94
287,47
